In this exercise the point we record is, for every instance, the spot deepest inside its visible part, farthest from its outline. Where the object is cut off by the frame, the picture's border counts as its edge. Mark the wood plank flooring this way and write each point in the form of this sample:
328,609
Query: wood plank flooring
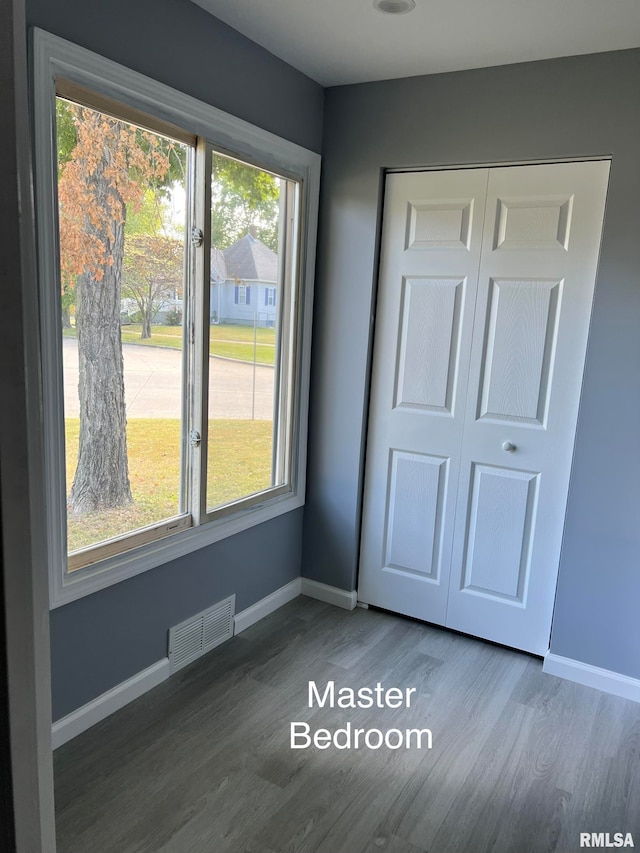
521,762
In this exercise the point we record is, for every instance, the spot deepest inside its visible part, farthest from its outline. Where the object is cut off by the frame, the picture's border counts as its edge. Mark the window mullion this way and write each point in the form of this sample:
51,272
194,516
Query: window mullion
281,331
287,343
187,339
199,325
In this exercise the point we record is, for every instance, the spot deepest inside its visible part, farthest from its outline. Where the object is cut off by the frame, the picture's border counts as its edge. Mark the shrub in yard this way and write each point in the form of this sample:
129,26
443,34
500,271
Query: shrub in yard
174,317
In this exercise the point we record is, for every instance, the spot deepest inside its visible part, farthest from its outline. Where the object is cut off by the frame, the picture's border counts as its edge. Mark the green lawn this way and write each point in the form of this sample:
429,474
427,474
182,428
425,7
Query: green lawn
264,353
239,464
228,341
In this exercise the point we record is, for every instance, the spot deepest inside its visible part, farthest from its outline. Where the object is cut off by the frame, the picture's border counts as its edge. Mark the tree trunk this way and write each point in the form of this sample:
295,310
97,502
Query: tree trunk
102,475
146,322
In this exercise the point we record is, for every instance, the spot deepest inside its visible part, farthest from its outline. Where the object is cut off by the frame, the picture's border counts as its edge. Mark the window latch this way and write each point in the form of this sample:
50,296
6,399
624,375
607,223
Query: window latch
194,438
197,236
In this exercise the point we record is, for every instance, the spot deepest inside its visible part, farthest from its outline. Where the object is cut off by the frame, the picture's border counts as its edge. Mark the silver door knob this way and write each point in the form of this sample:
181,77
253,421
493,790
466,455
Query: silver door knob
508,447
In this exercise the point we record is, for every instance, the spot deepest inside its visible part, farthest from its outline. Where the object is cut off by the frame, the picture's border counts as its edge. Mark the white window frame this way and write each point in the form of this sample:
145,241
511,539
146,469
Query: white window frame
242,294
55,58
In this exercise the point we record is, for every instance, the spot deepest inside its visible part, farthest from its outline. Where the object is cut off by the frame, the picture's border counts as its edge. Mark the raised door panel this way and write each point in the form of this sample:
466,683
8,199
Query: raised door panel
519,348
416,514
497,555
429,344
440,224
533,222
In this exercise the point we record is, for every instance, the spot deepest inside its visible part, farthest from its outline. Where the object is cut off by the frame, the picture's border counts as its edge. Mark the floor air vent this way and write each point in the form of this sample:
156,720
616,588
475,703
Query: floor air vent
194,637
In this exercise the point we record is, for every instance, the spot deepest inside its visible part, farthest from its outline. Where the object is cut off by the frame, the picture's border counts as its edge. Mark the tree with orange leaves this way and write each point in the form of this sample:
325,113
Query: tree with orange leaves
105,167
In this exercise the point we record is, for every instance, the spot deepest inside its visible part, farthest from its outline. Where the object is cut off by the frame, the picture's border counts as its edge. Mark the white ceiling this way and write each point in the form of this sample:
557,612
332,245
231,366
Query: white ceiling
348,41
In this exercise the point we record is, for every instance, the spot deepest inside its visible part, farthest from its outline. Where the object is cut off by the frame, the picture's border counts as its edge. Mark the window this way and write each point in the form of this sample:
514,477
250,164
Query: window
122,226
174,402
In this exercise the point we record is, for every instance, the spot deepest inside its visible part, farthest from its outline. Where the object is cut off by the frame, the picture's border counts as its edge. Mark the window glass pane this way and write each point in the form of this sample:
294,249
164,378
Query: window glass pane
122,195
246,432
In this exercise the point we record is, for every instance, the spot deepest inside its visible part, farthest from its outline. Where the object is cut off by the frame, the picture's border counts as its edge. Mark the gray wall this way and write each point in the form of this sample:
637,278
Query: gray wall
535,111
104,638
107,637
178,43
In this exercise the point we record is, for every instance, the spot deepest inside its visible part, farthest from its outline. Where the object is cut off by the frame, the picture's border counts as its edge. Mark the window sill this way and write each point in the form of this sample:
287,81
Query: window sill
120,567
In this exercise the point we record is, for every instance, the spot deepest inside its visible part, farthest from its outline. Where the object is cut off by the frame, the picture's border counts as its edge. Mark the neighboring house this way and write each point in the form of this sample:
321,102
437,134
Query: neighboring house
130,310
243,287
243,283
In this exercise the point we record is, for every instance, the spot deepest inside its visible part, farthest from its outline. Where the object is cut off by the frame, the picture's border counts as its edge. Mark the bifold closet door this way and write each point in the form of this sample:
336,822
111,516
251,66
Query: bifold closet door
430,257
535,289
464,501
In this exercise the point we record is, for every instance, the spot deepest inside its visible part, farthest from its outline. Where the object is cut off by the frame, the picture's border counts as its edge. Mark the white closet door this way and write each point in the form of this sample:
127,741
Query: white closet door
430,255
485,292
537,273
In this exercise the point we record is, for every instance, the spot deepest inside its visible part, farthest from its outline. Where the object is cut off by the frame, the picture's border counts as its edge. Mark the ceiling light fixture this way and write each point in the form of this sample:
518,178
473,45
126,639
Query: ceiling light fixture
394,7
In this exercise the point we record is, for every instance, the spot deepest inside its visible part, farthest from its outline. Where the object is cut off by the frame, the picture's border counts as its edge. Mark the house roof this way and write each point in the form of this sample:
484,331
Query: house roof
218,266
249,259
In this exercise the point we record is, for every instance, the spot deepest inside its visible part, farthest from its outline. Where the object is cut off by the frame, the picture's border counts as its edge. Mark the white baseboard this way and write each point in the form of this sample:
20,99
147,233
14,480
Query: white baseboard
102,706
592,676
329,594
265,606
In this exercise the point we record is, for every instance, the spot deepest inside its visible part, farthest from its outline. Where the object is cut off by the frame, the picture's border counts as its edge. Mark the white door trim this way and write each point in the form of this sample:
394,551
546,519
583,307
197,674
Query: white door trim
495,164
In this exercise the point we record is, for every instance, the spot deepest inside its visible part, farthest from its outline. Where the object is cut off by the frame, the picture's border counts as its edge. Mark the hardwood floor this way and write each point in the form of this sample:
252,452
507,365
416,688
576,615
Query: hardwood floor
521,762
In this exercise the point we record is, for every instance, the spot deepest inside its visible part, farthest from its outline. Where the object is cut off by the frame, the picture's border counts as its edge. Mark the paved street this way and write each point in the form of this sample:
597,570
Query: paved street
153,382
